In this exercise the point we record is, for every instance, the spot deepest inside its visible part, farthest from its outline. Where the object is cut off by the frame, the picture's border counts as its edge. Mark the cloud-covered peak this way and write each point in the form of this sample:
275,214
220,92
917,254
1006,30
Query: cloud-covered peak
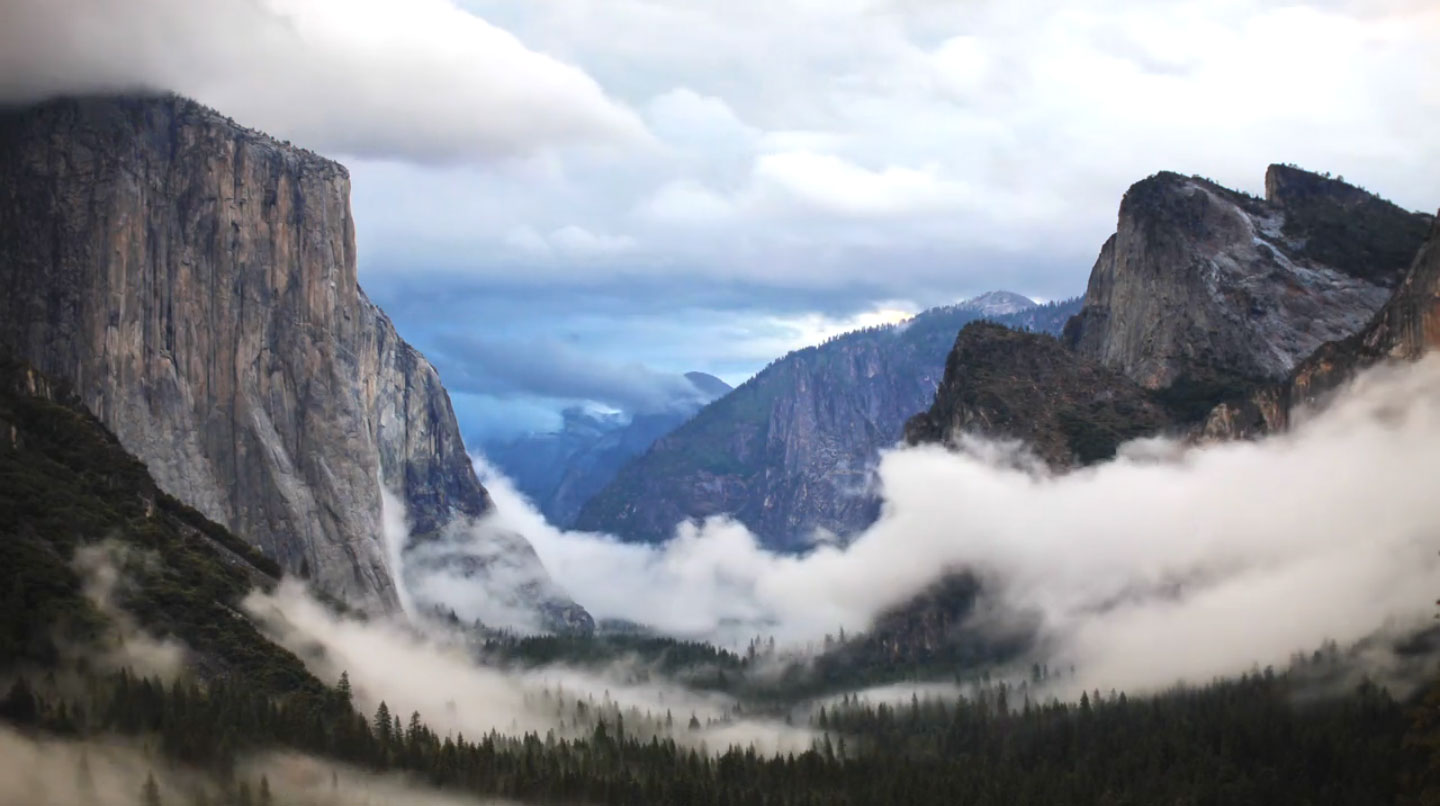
420,80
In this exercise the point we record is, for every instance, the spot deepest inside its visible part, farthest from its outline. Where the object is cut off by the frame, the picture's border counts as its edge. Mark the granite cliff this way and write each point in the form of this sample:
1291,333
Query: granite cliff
195,283
1210,315
792,451
1204,292
1406,327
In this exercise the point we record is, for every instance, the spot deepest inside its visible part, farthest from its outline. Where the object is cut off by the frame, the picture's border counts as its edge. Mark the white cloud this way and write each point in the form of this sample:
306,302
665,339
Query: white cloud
578,242
420,80
1165,564
685,202
684,117
933,136
835,185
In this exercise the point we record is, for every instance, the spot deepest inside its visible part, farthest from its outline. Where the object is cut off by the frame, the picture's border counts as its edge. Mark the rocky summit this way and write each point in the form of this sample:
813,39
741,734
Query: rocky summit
195,283
1209,315
1205,292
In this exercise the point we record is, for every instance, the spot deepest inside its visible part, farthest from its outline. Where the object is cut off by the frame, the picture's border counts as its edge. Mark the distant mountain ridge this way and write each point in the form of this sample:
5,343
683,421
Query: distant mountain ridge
560,470
792,450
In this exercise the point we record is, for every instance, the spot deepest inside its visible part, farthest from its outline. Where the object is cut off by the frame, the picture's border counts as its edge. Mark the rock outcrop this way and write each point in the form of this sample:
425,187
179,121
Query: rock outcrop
1007,384
1206,292
1403,330
195,282
791,452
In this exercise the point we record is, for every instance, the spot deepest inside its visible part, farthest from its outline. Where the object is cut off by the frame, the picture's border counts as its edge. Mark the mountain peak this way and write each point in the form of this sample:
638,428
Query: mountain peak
1285,184
1207,291
709,385
998,303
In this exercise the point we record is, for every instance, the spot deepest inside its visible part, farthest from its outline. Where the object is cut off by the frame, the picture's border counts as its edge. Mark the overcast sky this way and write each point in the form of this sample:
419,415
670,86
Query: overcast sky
643,187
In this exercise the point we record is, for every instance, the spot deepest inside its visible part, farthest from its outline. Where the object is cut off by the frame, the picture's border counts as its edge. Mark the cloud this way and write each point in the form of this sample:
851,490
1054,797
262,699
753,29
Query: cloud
422,80
835,185
684,202
544,367
107,771
1169,563
442,679
127,645
979,145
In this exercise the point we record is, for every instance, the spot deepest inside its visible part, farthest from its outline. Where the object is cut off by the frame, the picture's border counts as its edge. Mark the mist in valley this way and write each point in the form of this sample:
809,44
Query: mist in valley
1173,563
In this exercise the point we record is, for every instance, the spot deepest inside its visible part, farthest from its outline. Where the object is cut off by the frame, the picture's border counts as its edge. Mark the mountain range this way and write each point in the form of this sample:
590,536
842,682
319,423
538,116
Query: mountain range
194,283
791,452
560,470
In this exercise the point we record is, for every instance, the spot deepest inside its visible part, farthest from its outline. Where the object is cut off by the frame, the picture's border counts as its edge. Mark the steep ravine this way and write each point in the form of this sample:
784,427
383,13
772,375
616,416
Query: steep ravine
195,281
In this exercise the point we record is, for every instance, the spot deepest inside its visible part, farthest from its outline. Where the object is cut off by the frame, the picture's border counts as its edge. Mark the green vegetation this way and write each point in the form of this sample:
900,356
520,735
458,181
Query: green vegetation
1254,740
1340,225
66,483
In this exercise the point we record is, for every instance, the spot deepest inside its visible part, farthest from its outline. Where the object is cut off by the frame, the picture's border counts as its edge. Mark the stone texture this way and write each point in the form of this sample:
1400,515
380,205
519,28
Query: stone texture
195,282
792,451
1206,291
1008,384
1403,330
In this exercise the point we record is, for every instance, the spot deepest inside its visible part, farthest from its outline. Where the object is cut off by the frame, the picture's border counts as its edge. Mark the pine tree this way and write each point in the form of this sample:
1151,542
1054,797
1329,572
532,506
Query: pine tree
382,723
150,793
20,705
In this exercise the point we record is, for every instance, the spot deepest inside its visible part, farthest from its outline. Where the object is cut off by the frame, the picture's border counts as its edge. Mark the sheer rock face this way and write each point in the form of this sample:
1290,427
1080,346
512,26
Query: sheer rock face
1206,289
195,282
1069,410
1404,329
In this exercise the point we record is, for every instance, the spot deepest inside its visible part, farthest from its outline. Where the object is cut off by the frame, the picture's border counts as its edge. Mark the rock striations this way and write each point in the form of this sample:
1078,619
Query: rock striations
791,452
1204,291
195,282
1209,314
1404,329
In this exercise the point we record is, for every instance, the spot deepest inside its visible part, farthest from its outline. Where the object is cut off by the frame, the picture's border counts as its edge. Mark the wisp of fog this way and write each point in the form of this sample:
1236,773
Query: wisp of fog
1174,562
47,771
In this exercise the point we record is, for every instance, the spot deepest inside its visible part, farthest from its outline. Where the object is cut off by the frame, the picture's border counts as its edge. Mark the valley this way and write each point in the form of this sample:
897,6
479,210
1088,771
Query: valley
754,482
